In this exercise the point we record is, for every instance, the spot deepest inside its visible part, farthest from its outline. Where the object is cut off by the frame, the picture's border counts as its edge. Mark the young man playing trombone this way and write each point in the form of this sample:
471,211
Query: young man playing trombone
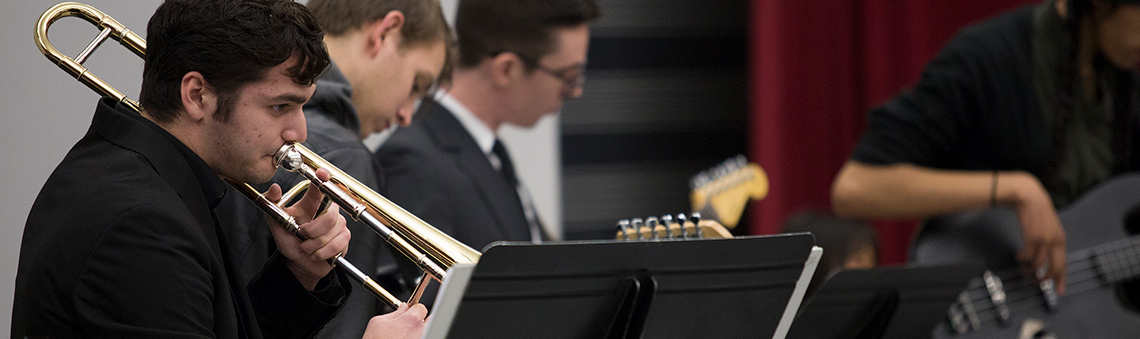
385,55
143,255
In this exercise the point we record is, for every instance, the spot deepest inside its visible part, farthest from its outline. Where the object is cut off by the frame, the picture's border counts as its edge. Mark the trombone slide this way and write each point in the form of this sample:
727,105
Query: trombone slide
289,223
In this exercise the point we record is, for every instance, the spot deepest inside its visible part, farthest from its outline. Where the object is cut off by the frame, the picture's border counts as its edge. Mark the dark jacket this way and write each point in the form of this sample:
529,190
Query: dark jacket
122,242
436,171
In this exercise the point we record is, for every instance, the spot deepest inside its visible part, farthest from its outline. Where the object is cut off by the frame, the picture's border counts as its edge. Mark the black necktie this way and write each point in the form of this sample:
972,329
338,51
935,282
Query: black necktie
506,167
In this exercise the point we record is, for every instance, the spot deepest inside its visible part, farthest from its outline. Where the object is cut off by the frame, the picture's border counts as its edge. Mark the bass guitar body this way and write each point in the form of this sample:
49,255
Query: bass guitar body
1101,256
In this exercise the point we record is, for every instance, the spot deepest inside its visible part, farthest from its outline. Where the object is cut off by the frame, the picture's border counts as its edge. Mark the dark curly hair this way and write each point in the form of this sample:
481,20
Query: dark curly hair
232,43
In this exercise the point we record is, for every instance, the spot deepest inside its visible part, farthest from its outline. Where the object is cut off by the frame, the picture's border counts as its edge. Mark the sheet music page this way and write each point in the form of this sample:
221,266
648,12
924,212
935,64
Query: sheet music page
798,294
447,300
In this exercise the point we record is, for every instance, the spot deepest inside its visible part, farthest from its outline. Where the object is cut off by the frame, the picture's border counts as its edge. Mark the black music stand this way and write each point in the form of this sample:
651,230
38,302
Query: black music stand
722,288
894,302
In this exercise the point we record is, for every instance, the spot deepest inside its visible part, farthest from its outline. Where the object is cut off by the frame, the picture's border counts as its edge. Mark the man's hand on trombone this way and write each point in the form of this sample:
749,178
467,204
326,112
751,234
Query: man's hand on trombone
405,322
327,235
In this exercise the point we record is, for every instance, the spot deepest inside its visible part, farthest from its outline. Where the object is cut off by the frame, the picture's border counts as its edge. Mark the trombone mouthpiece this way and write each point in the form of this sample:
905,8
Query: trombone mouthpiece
288,158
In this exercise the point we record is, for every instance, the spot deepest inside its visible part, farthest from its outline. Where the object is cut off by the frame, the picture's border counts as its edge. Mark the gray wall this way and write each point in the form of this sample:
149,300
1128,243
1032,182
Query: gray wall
46,111
665,99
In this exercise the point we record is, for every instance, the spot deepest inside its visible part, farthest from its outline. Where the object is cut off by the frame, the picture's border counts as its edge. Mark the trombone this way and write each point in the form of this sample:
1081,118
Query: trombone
433,251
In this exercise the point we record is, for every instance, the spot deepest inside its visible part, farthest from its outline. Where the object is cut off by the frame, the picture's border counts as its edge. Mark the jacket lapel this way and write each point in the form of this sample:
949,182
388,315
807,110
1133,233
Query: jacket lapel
498,196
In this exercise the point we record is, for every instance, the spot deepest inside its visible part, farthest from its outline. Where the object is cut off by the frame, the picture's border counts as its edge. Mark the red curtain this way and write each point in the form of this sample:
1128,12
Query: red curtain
816,68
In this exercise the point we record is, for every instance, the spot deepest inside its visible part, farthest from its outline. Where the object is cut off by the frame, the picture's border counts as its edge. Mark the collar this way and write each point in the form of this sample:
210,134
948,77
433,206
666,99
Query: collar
127,128
333,99
213,188
479,130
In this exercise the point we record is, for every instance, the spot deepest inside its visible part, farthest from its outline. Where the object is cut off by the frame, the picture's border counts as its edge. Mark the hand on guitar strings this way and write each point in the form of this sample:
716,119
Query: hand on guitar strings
1044,248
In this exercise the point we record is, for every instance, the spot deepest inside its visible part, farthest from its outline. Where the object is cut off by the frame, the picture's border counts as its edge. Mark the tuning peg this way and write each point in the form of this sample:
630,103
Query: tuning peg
681,222
696,217
699,180
667,221
637,224
651,224
720,171
623,228
728,165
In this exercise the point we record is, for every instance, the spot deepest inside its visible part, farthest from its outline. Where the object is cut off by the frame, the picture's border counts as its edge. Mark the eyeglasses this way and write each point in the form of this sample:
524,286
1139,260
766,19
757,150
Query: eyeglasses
573,76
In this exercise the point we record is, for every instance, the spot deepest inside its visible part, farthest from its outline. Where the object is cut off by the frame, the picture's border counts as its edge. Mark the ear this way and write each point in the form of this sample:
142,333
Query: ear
385,31
505,68
198,99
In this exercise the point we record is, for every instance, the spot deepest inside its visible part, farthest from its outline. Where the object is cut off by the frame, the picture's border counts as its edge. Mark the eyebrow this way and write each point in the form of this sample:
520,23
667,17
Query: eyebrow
291,97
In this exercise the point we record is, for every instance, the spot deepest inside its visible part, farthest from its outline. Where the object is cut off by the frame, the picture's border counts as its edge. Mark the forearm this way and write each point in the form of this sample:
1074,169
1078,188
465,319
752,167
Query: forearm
909,191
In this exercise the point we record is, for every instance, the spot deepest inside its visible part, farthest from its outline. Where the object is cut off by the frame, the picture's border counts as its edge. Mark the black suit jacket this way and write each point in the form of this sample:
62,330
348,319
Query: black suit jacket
435,170
122,242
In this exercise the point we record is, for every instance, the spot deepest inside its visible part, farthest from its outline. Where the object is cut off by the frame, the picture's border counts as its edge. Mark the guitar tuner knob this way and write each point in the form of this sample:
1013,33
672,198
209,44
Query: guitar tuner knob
696,218
667,221
623,228
681,221
651,224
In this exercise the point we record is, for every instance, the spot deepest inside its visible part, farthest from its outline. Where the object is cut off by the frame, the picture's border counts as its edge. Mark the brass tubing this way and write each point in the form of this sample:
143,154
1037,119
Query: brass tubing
117,31
289,223
440,248
357,210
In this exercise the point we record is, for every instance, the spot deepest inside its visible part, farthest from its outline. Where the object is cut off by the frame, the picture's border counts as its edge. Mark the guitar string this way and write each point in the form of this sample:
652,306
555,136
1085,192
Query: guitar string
1017,283
1019,297
1014,279
1017,300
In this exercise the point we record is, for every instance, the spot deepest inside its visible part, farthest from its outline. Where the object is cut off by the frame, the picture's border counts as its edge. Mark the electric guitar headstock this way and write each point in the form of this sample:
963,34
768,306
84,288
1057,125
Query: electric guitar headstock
670,227
722,192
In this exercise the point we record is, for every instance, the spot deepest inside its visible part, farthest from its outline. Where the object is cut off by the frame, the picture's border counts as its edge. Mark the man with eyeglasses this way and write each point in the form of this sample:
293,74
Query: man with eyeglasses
518,61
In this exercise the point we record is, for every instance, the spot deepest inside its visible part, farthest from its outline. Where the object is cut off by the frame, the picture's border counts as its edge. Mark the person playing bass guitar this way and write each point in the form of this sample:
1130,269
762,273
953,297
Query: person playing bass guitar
1026,110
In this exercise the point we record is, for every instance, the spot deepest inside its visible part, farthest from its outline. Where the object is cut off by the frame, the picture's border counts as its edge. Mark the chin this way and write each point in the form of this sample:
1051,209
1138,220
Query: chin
259,176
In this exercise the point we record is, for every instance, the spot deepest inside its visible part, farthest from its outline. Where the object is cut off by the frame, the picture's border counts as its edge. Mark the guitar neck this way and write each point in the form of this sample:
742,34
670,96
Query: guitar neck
722,192
1116,261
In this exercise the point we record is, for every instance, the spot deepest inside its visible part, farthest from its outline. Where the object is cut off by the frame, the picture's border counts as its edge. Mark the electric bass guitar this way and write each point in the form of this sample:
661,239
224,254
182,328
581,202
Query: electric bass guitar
721,193
1005,303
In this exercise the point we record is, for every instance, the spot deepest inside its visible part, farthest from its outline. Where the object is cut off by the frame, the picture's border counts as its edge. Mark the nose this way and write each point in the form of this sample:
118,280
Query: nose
295,129
576,92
